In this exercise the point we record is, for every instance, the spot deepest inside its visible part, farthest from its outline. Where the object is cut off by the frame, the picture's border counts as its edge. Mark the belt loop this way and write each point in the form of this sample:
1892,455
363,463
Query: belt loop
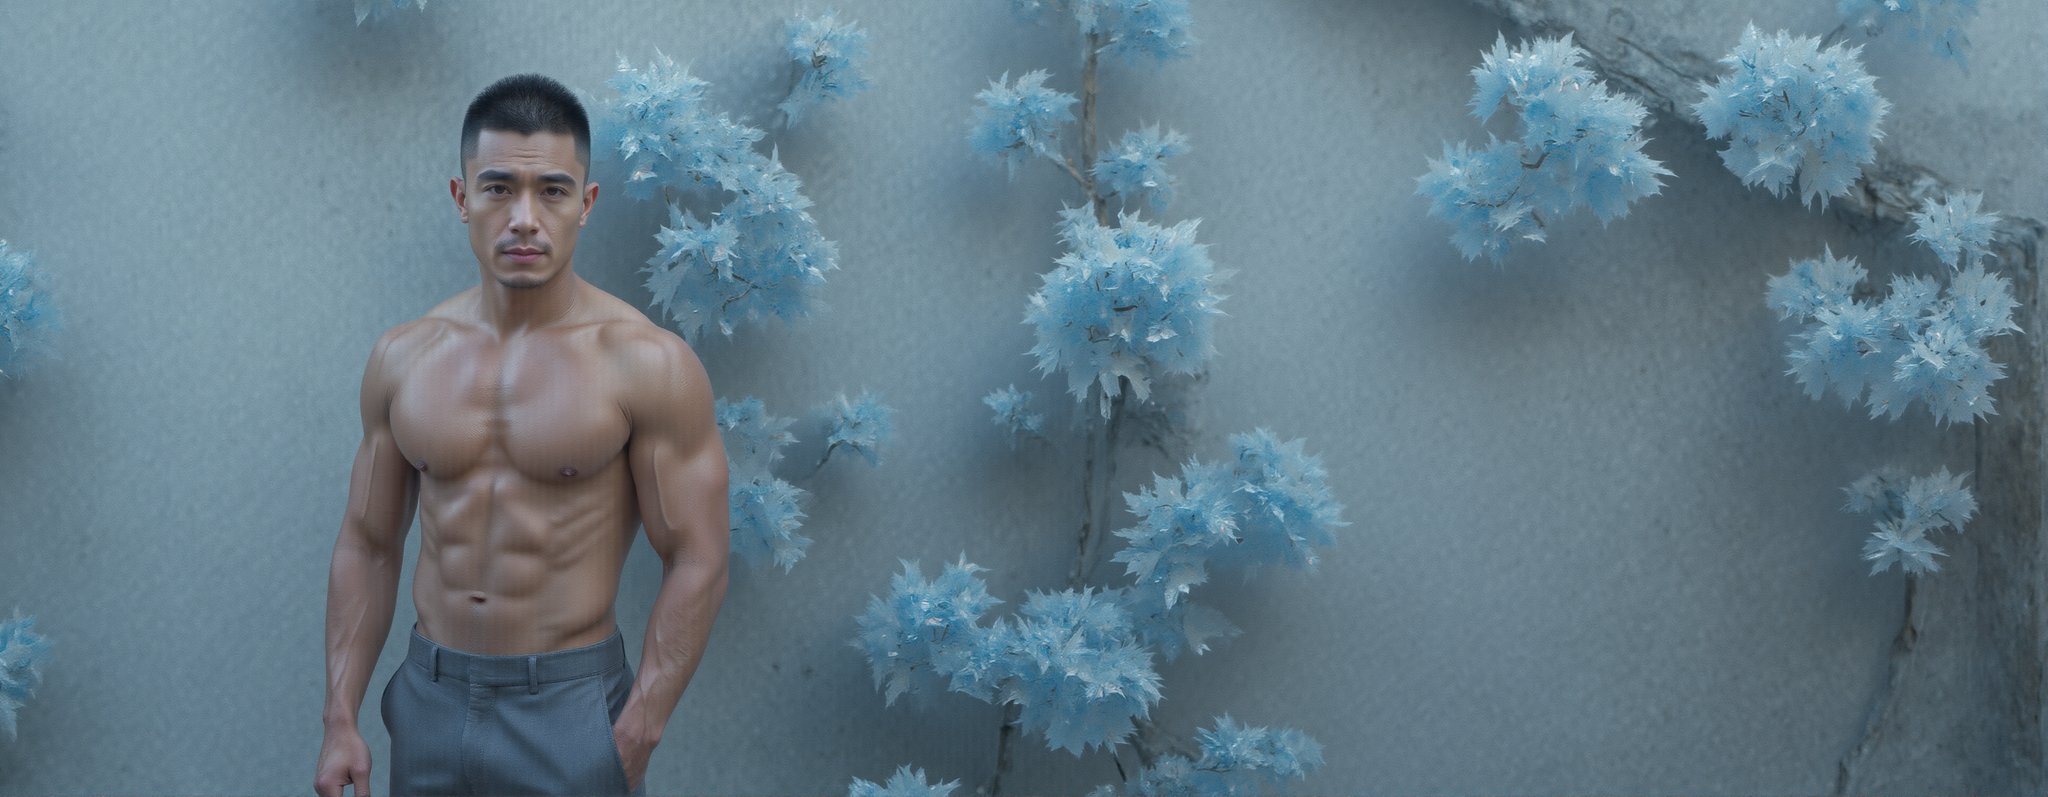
533,675
436,657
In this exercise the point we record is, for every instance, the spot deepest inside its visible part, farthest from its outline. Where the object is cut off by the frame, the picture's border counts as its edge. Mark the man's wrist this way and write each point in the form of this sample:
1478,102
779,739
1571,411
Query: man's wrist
638,731
336,721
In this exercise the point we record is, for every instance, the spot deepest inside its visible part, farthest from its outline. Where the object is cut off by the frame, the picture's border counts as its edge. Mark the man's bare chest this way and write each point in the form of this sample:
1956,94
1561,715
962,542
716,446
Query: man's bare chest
543,407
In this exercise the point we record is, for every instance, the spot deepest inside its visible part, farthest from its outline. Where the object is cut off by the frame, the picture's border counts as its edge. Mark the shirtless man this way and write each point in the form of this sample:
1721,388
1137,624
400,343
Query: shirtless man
535,420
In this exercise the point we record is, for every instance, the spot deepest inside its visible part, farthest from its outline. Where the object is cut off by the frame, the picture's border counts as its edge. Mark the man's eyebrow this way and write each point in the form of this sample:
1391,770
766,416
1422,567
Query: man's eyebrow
502,175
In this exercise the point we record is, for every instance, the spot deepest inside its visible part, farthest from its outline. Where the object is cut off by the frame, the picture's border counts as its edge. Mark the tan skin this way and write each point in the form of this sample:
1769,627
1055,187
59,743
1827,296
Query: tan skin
535,420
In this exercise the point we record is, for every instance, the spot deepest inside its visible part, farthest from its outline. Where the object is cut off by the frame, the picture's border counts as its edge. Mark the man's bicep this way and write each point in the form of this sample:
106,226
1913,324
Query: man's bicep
382,485
678,462
707,535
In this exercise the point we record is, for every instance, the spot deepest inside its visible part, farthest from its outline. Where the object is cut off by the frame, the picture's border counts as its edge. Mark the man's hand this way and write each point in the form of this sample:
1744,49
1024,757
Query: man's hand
635,749
345,759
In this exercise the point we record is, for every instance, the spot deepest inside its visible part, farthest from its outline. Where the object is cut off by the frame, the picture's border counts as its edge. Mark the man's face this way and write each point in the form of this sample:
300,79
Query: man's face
524,199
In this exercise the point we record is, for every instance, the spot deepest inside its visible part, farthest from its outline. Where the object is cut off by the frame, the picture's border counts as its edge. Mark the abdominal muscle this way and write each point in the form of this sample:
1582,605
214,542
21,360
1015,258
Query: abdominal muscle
526,496
521,568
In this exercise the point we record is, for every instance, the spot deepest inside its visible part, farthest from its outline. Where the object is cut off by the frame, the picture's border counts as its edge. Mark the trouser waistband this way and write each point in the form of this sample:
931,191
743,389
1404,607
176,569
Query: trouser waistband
532,669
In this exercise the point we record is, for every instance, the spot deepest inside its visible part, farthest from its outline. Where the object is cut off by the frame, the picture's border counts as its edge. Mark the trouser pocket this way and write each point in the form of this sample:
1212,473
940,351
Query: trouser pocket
613,690
424,720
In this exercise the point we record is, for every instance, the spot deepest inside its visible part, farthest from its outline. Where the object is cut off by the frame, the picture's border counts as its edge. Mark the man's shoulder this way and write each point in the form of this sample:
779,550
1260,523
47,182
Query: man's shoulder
652,357
407,337
401,341
660,372
628,334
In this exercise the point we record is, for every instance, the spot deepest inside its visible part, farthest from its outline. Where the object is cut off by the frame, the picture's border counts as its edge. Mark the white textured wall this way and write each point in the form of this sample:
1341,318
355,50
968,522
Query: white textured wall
1595,543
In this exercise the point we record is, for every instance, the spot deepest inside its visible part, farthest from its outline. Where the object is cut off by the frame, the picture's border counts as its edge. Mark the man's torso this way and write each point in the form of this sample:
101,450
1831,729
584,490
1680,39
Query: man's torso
526,501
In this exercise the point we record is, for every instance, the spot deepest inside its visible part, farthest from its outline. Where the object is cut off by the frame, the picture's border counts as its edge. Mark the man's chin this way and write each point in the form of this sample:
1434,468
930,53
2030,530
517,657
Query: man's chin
521,280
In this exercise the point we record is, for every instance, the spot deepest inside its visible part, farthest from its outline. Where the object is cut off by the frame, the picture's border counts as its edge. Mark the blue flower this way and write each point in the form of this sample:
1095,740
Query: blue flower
22,652
27,318
1136,167
921,622
861,425
1133,28
753,438
1953,228
1921,343
763,252
1235,759
1790,108
1010,407
1078,672
1125,301
1580,145
902,784
829,57
1015,122
765,514
1288,509
1908,511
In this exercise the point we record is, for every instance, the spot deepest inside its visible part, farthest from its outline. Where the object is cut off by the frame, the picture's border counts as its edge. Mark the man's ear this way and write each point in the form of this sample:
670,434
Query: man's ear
589,200
462,200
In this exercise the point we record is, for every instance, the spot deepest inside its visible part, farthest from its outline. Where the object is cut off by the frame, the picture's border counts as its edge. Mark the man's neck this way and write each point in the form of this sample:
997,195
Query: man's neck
509,311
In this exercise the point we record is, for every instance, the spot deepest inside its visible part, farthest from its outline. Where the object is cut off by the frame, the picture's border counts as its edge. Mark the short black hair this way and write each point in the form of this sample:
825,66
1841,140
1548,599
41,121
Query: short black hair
527,104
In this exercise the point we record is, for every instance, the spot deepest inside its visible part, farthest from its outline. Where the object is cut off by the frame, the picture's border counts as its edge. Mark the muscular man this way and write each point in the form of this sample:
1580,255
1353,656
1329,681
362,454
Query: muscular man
534,420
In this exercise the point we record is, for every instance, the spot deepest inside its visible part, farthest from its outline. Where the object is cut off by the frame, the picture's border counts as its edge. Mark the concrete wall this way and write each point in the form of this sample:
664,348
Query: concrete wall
1596,544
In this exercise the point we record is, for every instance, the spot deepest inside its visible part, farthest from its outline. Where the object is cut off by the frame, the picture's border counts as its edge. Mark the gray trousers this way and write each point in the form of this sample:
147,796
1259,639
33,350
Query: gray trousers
470,725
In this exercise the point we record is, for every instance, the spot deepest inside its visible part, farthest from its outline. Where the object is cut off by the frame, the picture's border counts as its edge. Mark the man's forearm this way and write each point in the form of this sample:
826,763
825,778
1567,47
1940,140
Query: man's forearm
676,633
362,592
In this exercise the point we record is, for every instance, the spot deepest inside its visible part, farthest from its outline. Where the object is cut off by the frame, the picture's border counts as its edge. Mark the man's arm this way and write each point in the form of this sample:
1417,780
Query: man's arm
679,477
369,554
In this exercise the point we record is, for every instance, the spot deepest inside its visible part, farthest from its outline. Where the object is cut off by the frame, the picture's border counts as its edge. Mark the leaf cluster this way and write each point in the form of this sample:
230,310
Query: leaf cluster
765,511
1579,145
760,252
1136,167
1012,414
1080,663
861,425
1069,659
1954,228
1271,505
1790,108
902,784
1923,342
829,58
1908,510
1235,760
1130,29
1125,301
1015,122
22,652
27,318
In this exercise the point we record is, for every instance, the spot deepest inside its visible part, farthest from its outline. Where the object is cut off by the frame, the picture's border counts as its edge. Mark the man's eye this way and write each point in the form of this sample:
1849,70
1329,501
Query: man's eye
556,190
495,189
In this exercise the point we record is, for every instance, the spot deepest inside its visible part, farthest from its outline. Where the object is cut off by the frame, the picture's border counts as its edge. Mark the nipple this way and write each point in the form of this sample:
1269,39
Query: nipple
421,465
568,471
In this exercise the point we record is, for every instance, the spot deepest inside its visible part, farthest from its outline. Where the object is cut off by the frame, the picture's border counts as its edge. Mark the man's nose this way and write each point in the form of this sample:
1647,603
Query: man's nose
523,218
